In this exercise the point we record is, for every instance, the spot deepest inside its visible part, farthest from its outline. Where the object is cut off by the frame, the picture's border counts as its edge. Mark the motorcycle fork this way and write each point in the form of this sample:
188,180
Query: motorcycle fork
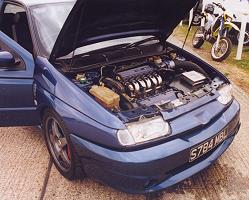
220,34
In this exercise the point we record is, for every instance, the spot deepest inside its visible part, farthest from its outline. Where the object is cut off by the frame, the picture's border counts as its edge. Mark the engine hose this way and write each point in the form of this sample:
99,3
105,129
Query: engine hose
187,65
119,88
125,102
114,85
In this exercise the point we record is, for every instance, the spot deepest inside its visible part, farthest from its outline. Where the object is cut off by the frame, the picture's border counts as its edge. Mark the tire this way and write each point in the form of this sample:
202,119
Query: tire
197,20
226,41
198,42
246,41
71,170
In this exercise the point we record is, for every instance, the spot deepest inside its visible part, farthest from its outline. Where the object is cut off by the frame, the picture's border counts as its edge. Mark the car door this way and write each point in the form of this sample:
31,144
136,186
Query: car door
17,105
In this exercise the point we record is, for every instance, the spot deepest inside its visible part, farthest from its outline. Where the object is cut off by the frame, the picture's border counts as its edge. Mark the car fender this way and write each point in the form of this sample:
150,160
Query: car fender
62,88
76,122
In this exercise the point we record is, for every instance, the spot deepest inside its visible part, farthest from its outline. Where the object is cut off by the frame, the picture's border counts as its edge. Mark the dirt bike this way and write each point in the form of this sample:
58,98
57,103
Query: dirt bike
215,31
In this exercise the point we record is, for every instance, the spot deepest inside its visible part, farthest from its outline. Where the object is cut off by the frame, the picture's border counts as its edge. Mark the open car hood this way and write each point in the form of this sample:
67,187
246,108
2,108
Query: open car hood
92,21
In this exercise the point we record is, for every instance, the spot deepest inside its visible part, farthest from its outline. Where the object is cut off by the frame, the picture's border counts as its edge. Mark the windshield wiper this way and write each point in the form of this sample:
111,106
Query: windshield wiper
136,44
125,45
115,47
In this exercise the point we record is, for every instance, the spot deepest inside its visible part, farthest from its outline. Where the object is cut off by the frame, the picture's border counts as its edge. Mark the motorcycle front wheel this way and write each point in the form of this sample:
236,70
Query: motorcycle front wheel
198,41
221,51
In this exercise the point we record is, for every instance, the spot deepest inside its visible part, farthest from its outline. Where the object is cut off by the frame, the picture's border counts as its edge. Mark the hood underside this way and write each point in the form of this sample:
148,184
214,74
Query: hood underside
92,21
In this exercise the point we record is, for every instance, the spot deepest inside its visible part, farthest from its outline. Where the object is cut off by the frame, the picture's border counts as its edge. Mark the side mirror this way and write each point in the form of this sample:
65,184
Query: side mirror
6,59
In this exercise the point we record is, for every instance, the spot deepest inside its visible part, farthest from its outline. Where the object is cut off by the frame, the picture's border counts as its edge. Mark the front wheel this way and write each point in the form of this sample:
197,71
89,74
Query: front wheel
221,51
60,147
198,38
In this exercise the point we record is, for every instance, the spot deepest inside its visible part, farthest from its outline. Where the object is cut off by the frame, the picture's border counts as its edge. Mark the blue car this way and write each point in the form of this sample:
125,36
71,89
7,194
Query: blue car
115,100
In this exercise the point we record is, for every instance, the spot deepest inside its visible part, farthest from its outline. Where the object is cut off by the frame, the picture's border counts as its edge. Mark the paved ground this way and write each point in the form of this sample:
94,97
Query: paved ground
27,173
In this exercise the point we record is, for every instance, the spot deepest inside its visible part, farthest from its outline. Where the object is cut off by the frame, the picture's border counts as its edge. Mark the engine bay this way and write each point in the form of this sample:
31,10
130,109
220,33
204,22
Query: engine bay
148,85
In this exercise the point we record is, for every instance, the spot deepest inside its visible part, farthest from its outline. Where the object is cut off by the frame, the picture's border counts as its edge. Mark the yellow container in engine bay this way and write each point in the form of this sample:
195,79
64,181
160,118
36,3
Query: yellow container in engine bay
105,96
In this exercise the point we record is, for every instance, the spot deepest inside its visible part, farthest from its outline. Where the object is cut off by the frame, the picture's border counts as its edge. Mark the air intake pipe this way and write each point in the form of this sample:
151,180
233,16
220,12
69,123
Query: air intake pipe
185,65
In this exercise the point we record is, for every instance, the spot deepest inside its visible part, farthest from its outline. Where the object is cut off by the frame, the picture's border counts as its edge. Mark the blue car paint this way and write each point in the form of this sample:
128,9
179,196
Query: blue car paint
58,93
23,53
94,128
158,167
17,102
88,125
6,58
200,117
72,95
129,18
77,122
167,115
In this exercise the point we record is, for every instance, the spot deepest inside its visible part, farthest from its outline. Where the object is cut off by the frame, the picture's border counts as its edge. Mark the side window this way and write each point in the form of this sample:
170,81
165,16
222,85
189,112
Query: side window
15,25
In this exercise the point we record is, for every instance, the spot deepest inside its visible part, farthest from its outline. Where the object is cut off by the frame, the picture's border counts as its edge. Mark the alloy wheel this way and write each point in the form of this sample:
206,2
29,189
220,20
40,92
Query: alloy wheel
58,144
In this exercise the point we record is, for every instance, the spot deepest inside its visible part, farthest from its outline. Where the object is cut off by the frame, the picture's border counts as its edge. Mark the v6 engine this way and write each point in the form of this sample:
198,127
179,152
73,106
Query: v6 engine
157,81
140,81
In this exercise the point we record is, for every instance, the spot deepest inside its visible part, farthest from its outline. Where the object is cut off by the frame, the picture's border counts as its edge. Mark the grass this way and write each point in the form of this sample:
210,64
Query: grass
236,70
243,64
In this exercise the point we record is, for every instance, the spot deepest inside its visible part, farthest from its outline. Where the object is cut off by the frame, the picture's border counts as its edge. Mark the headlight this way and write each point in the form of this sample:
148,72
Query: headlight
226,94
142,131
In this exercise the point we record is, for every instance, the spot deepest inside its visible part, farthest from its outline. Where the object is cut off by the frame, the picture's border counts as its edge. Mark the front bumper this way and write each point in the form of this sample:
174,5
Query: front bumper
158,167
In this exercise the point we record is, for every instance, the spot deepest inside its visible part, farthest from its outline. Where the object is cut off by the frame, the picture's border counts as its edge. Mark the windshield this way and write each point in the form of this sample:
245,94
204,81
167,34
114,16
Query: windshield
110,43
49,19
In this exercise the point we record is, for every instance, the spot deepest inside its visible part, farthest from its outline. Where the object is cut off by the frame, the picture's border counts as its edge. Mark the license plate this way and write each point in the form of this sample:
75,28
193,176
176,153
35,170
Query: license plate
207,146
